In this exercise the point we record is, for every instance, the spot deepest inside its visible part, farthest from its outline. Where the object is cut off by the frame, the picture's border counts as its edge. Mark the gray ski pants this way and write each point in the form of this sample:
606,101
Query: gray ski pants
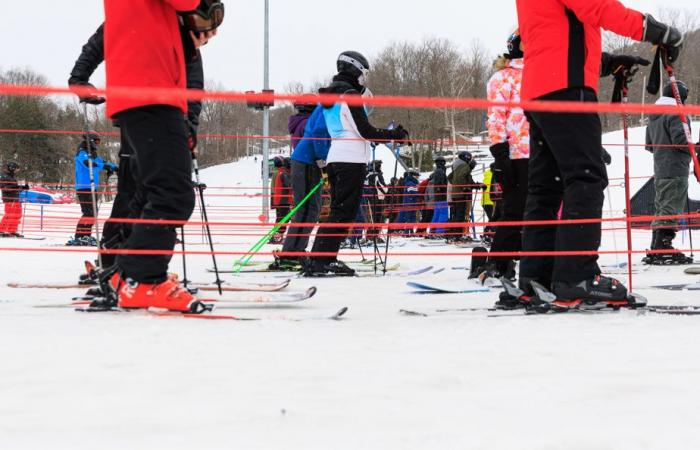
671,200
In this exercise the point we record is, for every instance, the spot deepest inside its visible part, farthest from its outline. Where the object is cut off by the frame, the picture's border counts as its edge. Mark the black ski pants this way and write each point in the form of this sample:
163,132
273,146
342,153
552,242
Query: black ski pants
509,238
347,182
115,233
158,139
565,166
85,223
305,177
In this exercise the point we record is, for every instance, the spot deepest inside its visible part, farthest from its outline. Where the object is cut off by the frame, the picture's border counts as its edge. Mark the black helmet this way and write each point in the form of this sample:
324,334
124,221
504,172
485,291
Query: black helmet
353,64
683,90
306,105
208,16
377,163
279,161
413,171
11,167
515,46
465,156
440,161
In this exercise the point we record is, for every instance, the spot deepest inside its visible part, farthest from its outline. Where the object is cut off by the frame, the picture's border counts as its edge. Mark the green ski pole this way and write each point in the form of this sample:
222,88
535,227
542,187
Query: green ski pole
241,263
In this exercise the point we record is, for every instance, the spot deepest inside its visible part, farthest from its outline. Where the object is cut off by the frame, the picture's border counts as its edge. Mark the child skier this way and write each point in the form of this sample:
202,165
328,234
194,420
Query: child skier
84,158
308,159
409,210
347,161
10,197
282,195
666,139
438,197
509,132
562,42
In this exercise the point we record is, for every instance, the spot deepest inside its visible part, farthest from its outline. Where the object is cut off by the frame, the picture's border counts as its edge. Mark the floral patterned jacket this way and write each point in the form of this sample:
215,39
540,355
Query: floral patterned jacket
504,124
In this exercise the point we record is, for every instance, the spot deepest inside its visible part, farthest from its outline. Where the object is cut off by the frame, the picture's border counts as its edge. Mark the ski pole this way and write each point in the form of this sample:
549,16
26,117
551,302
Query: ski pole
684,118
628,201
690,228
245,259
184,257
200,189
93,195
395,150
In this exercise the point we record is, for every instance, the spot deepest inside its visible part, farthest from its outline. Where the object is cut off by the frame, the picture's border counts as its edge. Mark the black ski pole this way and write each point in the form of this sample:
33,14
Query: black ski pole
392,125
93,194
185,282
690,228
200,189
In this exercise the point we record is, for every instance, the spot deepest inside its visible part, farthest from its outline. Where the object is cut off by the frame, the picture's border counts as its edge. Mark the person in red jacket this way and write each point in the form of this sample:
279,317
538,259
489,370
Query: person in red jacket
282,195
564,61
143,49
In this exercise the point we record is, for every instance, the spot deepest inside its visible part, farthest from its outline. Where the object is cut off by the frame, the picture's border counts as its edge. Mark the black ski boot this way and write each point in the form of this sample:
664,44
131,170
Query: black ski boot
285,264
600,290
312,267
514,297
496,271
664,253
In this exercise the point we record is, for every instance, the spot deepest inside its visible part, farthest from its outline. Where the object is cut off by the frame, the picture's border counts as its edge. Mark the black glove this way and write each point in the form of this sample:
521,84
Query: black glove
501,154
617,65
90,99
191,134
663,35
401,135
201,186
607,159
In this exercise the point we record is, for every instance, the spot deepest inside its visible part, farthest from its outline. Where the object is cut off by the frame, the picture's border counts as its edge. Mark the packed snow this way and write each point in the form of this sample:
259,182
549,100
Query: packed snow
375,380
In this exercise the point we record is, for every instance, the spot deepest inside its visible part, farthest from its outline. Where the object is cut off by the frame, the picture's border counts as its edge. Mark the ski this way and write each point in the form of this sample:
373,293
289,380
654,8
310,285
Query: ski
695,270
362,268
24,238
336,316
380,274
424,288
205,287
679,287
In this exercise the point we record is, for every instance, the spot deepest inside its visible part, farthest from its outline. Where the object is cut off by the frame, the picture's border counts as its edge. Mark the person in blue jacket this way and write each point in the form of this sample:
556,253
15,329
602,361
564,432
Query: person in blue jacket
410,201
308,159
86,153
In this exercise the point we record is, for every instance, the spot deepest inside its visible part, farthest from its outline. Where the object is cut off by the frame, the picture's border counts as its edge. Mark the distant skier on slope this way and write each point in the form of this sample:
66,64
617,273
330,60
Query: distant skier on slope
10,197
347,160
666,139
509,132
562,42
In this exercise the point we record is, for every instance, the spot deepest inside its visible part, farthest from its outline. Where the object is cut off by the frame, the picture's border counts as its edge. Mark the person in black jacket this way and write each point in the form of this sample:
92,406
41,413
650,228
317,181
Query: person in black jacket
10,197
127,203
666,139
351,131
438,188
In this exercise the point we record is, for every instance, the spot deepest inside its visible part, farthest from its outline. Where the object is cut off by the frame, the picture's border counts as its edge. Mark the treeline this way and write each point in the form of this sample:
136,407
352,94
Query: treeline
430,68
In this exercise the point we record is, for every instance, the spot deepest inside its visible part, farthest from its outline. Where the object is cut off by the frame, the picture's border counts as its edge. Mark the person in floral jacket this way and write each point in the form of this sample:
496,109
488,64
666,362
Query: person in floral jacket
509,133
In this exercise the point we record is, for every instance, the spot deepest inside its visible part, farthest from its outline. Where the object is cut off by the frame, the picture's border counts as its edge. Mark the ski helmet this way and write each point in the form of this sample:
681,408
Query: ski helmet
377,164
208,16
515,46
683,90
465,156
306,105
279,161
354,64
11,167
413,171
440,161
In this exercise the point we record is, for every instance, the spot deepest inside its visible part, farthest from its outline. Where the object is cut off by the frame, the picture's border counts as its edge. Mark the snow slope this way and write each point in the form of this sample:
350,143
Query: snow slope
377,380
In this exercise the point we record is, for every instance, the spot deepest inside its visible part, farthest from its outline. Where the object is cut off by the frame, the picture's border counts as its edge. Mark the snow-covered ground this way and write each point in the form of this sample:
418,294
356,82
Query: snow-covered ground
376,380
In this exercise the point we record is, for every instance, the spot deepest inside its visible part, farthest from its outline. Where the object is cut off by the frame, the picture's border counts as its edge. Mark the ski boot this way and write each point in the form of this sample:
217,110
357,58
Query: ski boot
663,252
315,268
600,292
514,297
285,264
492,270
4,235
168,295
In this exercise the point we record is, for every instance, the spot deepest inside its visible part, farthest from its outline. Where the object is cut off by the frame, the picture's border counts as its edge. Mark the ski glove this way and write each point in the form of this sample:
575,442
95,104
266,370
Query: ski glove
90,99
501,155
663,35
321,164
617,64
401,135
607,159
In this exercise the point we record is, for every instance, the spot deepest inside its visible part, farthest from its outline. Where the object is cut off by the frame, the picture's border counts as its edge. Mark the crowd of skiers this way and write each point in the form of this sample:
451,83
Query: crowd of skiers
548,165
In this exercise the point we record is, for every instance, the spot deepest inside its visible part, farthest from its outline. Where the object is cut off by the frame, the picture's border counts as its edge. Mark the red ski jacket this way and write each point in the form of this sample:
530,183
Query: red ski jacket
143,48
282,193
562,41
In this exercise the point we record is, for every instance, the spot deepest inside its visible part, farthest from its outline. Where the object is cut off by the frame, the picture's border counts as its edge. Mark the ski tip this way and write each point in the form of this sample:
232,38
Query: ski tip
341,313
406,312
311,291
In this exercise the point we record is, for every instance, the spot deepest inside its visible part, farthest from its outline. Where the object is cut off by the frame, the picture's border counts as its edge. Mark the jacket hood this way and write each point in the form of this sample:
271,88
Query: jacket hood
340,85
296,124
458,163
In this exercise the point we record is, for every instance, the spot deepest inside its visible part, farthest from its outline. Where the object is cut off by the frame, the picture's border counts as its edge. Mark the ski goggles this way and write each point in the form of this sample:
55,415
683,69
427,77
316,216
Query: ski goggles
356,64
204,20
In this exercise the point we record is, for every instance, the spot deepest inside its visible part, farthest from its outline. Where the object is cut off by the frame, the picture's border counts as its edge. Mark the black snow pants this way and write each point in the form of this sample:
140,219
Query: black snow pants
347,182
158,139
565,166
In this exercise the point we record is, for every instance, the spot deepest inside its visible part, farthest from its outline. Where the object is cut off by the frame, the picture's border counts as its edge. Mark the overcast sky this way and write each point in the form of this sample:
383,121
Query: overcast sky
307,35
